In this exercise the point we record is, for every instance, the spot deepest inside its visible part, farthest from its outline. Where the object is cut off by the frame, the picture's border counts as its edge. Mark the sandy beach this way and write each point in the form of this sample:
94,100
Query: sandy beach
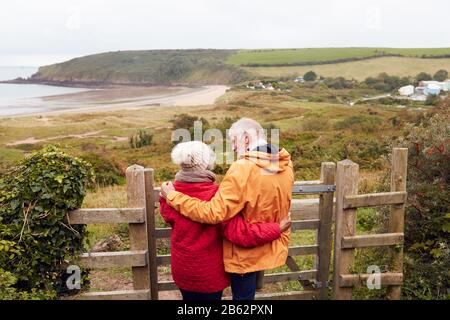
121,97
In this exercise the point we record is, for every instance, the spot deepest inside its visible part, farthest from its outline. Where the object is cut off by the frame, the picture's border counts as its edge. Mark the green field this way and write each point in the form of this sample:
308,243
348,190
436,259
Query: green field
323,55
359,70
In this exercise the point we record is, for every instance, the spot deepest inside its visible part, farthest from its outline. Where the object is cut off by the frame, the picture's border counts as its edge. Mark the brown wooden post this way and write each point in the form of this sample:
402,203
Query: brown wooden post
150,211
397,216
347,175
138,231
327,175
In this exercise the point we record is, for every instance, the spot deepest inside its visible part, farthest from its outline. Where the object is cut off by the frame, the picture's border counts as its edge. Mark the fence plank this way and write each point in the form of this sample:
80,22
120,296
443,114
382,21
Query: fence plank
138,231
117,295
397,216
350,280
292,295
311,224
328,171
290,276
372,240
163,260
167,286
346,184
163,232
107,215
306,209
374,199
114,259
303,250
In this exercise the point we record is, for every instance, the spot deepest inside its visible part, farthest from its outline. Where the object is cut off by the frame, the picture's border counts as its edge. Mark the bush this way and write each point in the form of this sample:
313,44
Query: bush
338,83
423,77
432,100
140,139
36,238
427,221
107,171
441,75
310,76
359,122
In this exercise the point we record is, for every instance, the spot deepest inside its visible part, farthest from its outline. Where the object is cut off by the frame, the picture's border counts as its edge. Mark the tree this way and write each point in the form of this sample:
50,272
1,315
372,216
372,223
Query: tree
441,75
423,77
310,76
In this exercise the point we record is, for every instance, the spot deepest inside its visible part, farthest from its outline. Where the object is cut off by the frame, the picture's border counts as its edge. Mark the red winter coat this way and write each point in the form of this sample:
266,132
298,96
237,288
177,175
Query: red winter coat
196,248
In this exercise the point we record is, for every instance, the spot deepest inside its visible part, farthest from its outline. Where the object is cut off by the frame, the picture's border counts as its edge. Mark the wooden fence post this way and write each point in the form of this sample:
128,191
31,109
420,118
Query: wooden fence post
138,231
151,236
347,175
396,221
327,176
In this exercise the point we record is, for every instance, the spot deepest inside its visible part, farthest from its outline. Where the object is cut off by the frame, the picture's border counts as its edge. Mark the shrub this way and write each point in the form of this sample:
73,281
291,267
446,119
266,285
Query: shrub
441,75
310,76
362,122
427,220
432,100
423,77
107,171
315,123
35,235
140,139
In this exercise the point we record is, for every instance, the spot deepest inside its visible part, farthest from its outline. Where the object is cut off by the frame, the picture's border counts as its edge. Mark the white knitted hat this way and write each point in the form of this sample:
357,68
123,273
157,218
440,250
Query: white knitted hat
193,155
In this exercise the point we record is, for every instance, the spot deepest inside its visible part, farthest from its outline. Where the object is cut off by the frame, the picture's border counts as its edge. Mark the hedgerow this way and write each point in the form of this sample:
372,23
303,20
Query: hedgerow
36,238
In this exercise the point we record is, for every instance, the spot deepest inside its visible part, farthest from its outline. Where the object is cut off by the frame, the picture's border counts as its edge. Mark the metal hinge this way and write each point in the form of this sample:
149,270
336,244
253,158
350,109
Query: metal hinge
318,285
321,188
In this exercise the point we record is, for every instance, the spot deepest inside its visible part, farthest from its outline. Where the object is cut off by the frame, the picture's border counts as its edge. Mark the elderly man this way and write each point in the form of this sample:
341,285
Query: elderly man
258,184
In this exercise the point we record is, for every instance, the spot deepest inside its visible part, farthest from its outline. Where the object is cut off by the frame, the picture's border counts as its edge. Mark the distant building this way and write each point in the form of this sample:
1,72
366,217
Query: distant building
406,90
420,90
299,79
433,89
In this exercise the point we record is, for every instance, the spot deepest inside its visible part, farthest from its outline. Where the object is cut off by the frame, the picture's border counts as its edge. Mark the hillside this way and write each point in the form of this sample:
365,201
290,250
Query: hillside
188,67
311,56
209,66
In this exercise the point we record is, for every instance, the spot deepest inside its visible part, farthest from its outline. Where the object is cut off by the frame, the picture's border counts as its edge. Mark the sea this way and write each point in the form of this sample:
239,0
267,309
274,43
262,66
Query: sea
22,99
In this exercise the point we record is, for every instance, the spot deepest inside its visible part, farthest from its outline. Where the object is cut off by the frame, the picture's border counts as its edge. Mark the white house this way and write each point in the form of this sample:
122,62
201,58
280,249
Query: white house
299,79
433,89
406,90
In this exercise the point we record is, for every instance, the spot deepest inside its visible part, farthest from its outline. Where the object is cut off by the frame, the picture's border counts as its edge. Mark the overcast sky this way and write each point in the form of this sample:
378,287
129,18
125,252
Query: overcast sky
46,31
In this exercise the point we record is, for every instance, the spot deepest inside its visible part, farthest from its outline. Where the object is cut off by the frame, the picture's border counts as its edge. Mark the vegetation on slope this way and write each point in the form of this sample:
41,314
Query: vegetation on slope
151,67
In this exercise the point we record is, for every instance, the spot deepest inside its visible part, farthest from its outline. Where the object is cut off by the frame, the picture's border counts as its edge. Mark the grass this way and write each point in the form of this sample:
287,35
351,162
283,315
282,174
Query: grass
320,55
359,70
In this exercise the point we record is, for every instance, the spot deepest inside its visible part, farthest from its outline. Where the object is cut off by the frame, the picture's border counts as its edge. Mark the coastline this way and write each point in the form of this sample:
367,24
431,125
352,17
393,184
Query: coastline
116,97
92,84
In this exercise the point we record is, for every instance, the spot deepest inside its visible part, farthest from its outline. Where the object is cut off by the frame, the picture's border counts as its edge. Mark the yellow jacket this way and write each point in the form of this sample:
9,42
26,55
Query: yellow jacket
260,186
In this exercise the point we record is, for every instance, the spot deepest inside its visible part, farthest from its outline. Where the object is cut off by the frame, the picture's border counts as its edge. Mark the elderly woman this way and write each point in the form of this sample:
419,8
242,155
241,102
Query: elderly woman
196,248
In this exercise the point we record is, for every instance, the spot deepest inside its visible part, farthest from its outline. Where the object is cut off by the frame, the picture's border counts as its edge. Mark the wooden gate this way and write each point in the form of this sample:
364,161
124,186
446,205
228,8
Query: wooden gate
307,214
347,201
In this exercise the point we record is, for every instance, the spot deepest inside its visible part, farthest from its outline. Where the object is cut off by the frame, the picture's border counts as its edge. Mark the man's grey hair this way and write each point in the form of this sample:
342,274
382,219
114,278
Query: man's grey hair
250,126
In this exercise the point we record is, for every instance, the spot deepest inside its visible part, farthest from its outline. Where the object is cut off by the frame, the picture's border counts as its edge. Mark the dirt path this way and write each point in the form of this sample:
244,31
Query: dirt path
92,134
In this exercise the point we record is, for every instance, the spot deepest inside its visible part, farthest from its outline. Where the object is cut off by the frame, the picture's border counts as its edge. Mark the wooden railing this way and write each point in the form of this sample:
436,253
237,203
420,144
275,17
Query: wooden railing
347,201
